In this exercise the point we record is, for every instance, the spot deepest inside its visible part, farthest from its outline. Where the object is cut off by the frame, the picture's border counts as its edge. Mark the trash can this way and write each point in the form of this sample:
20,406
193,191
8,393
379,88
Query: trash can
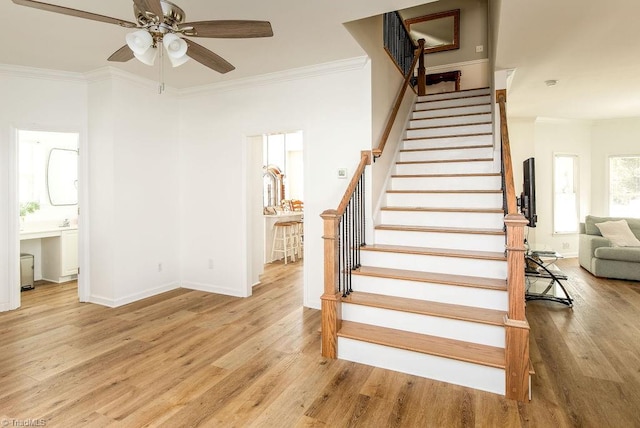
26,271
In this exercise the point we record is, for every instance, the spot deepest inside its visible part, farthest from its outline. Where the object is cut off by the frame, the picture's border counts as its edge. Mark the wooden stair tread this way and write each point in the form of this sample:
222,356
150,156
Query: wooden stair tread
477,146
446,108
448,348
439,278
475,134
447,126
444,252
447,210
444,191
423,307
409,228
445,161
457,92
454,98
479,174
453,115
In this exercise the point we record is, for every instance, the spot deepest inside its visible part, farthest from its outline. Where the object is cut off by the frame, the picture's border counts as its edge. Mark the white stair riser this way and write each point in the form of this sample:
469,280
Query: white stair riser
443,219
428,366
473,182
453,130
452,120
465,331
436,264
457,102
470,109
429,143
461,241
475,167
445,200
459,94
433,292
457,154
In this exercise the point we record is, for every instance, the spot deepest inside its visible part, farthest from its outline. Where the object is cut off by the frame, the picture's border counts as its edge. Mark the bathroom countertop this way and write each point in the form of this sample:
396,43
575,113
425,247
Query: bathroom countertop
37,232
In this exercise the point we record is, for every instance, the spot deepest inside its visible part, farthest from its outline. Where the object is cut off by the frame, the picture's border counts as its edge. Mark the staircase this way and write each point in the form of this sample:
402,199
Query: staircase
430,296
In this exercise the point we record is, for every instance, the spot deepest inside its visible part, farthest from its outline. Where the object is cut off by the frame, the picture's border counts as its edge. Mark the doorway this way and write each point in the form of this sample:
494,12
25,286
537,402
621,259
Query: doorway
47,198
275,193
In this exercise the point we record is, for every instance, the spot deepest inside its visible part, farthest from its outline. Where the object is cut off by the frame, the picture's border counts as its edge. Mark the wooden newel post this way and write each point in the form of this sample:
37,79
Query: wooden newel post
422,74
516,325
331,308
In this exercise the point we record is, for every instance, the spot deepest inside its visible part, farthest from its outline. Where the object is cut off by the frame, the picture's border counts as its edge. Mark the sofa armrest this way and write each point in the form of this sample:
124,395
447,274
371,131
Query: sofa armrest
587,246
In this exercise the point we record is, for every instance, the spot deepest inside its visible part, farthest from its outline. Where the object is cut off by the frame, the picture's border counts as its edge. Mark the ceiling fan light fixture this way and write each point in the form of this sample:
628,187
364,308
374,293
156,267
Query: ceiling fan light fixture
148,57
176,49
139,41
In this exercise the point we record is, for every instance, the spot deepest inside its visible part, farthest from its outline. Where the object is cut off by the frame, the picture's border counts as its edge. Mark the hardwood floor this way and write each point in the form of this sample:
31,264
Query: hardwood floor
188,358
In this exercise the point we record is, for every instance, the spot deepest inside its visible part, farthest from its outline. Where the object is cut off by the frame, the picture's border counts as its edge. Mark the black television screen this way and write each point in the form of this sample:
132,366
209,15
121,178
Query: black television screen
528,197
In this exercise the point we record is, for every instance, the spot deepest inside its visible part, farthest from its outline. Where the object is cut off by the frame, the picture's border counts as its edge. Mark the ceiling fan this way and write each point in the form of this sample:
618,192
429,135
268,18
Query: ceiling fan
160,22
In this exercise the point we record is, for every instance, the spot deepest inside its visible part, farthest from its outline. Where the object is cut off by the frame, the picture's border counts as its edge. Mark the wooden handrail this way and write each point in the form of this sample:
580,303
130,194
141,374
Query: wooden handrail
377,152
365,159
516,325
510,191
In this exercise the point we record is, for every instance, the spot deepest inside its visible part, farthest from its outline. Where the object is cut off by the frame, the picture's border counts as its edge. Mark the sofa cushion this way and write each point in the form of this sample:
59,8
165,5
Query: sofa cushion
591,228
618,233
628,254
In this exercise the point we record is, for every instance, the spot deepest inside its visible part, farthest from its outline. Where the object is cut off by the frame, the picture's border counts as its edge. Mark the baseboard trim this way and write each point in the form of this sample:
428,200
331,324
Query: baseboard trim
114,303
211,288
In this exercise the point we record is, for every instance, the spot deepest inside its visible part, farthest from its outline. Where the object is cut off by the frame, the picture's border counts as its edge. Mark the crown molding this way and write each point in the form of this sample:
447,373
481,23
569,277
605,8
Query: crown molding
306,72
40,73
108,73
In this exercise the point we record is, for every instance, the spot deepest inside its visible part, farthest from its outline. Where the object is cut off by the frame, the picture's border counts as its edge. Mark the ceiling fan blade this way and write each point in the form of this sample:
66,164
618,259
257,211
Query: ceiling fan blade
152,6
74,12
123,54
207,58
236,29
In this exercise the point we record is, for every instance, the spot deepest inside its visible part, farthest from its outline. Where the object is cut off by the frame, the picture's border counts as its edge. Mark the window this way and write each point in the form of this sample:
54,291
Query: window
624,186
565,194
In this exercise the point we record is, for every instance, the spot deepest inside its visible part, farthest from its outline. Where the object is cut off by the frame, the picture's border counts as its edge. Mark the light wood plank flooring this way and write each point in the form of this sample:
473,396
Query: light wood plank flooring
187,358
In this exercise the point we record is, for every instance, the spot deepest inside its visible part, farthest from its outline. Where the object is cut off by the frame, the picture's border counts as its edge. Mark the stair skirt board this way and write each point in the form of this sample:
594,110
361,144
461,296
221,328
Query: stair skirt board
443,219
431,291
466,93
467,109
466,182
466,331
436,264
478,167
448,200
461,373
462,241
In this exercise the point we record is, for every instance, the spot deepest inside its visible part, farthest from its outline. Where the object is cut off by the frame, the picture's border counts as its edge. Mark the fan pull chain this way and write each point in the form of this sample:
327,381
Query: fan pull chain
161,76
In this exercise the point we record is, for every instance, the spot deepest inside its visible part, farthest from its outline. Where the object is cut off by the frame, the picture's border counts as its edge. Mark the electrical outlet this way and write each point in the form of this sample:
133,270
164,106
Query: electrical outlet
210,263
342,172
479,48
566,245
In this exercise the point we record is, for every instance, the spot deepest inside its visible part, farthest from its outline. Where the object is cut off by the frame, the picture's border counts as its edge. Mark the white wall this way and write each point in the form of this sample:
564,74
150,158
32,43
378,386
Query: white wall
330,103
610,137
542,138
134,149
38,100
386,81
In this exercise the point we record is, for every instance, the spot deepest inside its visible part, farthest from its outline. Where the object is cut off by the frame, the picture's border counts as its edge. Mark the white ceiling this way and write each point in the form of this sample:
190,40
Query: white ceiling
590,47
306,32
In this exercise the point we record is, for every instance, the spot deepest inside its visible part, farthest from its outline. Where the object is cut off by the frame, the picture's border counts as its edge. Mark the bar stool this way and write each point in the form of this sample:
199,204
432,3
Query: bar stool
284,240
299,237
